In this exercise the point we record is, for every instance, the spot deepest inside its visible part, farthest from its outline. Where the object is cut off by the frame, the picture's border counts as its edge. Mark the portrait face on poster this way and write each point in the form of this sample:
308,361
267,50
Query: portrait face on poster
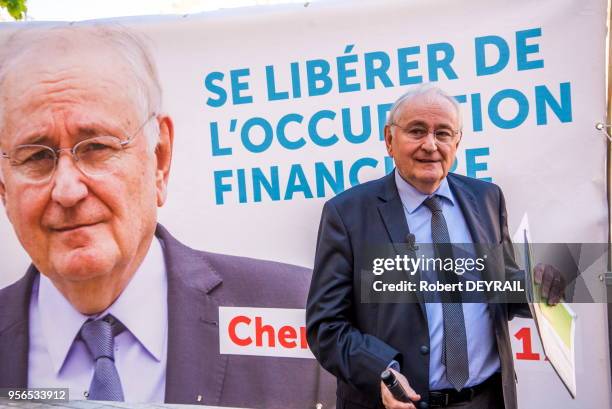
86,161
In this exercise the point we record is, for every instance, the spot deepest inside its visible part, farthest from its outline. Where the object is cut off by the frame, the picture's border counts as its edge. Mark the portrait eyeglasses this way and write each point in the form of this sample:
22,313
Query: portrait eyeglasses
97,156
418,133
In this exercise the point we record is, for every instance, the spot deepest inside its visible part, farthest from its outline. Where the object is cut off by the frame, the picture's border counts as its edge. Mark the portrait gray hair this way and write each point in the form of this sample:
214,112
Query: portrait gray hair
129,47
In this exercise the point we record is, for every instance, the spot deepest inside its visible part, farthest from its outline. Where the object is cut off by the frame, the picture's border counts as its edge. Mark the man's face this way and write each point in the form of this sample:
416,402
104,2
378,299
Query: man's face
81,229
423,163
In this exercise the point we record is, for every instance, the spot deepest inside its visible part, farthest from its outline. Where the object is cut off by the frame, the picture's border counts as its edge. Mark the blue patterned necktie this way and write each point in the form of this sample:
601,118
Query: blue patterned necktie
454,351
99,337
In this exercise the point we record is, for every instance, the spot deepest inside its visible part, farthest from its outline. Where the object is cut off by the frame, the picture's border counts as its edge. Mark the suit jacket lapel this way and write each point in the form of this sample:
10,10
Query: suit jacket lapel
14,331
392,213
470,209
471,212
195,370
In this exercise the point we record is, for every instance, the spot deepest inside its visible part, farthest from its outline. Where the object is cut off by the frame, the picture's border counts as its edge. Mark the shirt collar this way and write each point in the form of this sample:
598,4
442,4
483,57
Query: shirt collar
412,198
60,321
142,307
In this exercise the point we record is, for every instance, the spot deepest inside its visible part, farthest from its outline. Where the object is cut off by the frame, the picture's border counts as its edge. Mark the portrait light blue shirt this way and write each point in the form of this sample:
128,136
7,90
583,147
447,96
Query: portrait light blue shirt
482,349
59,359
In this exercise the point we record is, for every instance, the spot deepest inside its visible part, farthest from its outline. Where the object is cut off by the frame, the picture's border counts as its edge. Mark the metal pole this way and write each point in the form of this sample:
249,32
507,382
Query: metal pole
608,276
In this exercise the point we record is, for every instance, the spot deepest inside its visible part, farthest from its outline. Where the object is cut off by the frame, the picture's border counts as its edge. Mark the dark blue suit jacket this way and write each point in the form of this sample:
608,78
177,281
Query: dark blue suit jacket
356,341
198,283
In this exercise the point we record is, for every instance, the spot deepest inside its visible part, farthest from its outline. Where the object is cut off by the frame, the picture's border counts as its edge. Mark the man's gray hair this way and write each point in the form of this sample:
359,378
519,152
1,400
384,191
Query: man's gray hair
129,47
422,89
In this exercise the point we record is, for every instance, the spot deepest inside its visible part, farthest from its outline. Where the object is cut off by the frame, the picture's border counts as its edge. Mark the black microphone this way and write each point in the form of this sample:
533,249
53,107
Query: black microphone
411,241
394,386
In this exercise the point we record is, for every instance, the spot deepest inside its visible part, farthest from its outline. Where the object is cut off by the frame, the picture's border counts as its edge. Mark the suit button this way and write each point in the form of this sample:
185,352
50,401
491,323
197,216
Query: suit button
423,405
424,349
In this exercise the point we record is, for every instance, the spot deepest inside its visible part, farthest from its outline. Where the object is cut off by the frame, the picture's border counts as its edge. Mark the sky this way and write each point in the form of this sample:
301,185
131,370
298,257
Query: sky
73,10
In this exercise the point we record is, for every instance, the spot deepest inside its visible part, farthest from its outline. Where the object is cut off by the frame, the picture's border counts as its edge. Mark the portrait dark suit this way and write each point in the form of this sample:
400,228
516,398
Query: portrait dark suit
198,283
356,341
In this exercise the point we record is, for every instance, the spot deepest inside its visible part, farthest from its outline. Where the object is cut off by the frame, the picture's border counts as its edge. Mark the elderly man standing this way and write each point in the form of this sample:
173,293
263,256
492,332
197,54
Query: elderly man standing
113,307
444,353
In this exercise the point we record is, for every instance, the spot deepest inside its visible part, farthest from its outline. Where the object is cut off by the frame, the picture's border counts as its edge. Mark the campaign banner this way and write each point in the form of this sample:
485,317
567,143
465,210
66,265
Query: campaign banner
278,109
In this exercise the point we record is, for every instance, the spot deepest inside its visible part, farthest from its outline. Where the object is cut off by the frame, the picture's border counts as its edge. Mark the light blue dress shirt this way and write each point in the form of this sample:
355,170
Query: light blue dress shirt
482,350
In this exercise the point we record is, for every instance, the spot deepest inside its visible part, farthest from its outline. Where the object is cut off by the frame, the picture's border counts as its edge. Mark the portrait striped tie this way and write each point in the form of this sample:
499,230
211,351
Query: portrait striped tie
99,337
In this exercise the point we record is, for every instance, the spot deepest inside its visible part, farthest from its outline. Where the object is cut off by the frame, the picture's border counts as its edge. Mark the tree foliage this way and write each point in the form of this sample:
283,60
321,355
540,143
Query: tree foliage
16,8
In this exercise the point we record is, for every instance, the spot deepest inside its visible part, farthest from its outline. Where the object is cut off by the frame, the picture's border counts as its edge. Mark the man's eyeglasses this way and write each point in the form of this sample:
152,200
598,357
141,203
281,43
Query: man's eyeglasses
419,133
95,156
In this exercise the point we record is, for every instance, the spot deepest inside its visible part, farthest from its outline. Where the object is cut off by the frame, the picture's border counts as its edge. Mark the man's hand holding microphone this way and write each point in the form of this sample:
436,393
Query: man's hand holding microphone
396,391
